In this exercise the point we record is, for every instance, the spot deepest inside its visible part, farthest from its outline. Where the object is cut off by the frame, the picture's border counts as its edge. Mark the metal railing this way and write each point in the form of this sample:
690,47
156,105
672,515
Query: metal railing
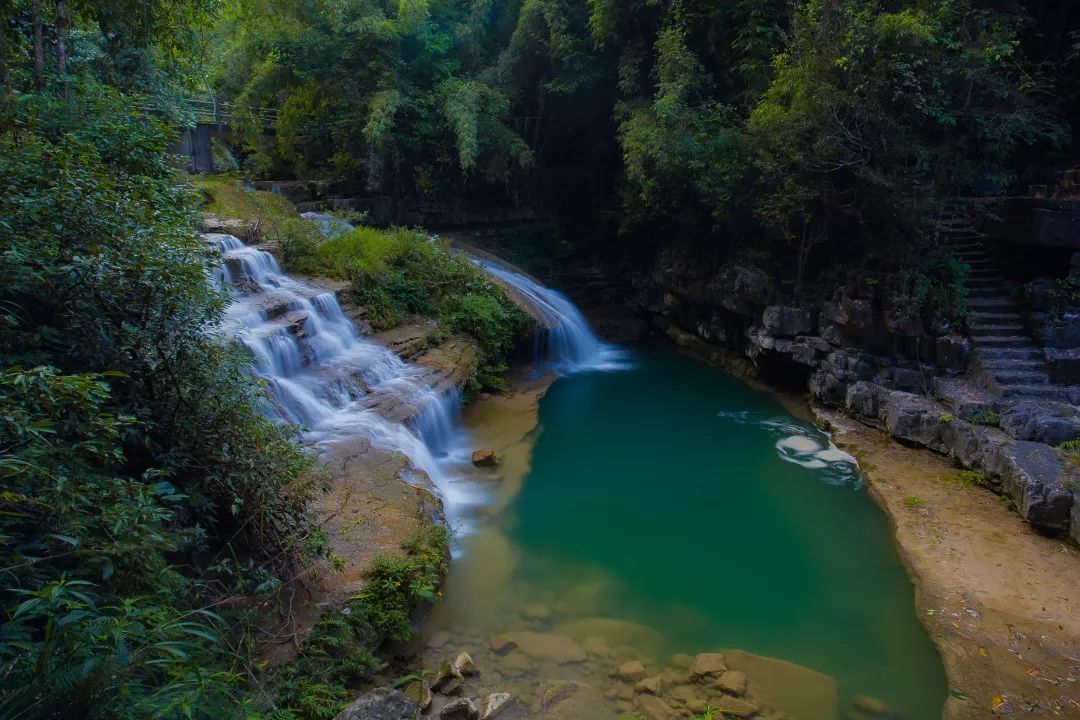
203,111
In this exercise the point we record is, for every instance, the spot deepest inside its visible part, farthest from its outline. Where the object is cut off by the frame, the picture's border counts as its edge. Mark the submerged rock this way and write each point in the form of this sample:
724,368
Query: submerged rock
734,707
502,644
448,681
652,685
545,646
379,704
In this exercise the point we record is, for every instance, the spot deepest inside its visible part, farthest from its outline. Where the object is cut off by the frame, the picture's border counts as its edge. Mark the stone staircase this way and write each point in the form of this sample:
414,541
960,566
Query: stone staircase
1011,363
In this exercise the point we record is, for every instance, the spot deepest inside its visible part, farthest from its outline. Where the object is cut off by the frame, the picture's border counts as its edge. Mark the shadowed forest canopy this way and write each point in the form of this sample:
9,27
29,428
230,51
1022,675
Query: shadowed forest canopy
766,123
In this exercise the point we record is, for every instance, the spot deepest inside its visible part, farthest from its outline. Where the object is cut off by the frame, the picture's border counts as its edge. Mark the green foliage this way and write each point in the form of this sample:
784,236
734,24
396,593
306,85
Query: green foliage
339,651
133,448
989,418
397,273
973,477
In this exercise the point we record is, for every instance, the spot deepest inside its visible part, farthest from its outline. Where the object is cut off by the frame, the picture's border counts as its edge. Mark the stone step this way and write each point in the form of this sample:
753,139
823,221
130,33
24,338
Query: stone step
1007,341
988,293
988,271
973,257
1008,364
984,282
980,330
1021,377
1010,354
1034,392
1004,318
996,303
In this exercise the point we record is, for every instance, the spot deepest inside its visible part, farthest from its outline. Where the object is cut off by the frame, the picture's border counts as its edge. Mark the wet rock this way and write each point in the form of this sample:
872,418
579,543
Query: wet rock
460,709
732,682
708,665
546,646
419,694
1046,422
379,704
596,646
654,708
502,644
448,681
1033,476
787,322
515,665
561,700
632,671
734,706
494,704
536,611
463,665
485,457
652,685
692,698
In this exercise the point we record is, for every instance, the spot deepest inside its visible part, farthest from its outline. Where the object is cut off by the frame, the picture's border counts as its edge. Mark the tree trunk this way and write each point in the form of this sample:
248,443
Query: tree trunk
3,53
39,47
62,22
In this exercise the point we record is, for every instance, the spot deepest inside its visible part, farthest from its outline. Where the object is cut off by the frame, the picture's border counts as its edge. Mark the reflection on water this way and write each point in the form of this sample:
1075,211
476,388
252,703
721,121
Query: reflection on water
670,510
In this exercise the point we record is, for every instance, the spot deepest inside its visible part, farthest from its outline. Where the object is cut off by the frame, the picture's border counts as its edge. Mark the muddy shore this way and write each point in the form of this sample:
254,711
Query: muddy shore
998,600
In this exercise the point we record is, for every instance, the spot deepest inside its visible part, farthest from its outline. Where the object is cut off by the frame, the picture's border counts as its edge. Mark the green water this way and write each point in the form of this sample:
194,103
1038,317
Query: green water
666,481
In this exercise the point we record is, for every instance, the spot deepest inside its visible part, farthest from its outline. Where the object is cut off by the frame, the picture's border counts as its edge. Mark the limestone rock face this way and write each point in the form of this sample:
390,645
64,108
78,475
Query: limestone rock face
1047,422
1033,476
787,322
740,288
379,704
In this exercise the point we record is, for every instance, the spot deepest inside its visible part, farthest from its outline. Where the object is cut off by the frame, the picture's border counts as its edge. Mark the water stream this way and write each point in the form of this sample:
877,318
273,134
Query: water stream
655,506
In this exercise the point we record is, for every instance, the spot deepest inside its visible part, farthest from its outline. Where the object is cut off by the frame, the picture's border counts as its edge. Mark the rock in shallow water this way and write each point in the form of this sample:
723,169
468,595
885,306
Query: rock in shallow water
379,704
460,709
485,457
708,665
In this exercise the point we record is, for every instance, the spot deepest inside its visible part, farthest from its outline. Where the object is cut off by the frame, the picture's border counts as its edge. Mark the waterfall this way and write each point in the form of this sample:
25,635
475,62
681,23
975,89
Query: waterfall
564,340
322,374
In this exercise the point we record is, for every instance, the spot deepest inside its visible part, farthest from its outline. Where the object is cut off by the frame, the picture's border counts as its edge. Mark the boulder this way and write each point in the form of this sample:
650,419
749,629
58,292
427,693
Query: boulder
708,665
732,682
567,700
419,694
460,709
447,681
787,322
494,704
379,704
1063,365
463,665
1033,476
654,708
861,399
652,685
502,644
734,707
632,671
485,457
1046,422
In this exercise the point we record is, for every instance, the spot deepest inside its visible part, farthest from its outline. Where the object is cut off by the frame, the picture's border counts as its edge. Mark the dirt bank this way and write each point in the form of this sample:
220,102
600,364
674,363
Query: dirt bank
998,599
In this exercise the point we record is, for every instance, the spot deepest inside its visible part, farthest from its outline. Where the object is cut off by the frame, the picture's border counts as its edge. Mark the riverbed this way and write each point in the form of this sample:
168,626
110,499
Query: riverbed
664,509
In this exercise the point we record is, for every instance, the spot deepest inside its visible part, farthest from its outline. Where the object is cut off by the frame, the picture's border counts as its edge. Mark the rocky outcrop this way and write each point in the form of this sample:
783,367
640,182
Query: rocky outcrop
380,704
1032,475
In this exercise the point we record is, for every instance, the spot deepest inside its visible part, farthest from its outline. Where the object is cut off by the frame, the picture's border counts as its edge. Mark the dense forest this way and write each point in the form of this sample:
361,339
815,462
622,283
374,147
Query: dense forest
145,491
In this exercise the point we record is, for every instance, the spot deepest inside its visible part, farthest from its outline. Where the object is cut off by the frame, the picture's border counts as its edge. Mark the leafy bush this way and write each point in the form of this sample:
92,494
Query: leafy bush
133,448
399,272
340,650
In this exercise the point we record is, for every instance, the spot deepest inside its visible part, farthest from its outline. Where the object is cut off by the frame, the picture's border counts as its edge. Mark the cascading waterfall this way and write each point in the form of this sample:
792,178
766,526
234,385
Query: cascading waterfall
321,373
565,341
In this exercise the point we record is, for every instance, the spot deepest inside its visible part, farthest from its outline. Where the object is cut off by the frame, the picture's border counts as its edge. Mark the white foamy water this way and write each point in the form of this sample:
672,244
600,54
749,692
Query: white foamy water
802,445
321,373
567,343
